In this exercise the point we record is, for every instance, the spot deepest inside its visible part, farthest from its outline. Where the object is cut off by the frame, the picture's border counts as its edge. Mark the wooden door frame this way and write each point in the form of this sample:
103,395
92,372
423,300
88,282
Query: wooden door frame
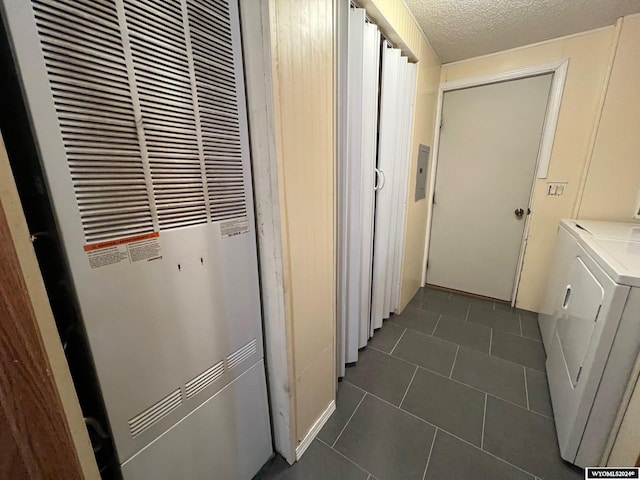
43,431
559,70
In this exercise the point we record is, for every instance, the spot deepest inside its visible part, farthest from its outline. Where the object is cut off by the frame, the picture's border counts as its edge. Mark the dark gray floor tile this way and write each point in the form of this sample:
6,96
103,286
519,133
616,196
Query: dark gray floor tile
431,292
428,352
497,319
386,441
386,337
490,374
464,333
530,327
318,462
274,468
426,292
443,306
526,313
347,400
449,405
453,459
457,297
525,439
415,302
504,307
380,374
517,349
538,389
416,319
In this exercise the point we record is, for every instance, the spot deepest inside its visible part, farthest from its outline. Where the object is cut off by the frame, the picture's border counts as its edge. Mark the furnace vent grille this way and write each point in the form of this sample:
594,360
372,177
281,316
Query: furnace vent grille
240,355
155,413
152,120
161,66
215,77
205,379
88,76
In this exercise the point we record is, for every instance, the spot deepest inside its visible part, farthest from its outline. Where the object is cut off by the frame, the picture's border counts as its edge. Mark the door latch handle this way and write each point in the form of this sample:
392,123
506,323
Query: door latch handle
519,212
567,296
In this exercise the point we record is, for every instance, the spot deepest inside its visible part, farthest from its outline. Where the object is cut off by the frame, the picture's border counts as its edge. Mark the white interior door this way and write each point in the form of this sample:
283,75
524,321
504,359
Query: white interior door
353,183
489,142
370,92
395,176
405,125
357,170
386,159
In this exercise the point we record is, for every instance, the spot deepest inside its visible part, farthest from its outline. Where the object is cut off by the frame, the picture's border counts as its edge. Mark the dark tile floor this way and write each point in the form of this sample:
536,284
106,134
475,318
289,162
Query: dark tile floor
453,388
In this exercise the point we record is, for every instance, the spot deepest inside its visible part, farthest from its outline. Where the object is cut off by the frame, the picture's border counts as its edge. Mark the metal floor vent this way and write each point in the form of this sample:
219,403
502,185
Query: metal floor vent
240,355
155,413
205,379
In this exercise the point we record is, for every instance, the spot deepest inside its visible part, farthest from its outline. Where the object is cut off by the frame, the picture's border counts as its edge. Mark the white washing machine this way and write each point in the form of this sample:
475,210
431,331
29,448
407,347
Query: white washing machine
590,325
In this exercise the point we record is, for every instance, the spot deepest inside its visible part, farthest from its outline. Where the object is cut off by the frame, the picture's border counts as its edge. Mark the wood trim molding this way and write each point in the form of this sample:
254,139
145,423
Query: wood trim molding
42,431
40,439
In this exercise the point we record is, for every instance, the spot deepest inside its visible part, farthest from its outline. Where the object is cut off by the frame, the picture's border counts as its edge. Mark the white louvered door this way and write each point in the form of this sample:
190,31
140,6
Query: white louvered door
139,114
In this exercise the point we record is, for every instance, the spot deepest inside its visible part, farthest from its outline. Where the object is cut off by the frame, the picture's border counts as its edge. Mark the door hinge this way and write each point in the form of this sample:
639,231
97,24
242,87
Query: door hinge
578,376
427,267
433,199
598,313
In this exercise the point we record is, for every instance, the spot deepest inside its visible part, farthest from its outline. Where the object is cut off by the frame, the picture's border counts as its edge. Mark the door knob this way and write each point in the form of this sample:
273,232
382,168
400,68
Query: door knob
519,212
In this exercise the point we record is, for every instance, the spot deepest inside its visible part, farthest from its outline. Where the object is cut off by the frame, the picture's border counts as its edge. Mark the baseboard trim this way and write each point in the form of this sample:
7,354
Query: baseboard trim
315,429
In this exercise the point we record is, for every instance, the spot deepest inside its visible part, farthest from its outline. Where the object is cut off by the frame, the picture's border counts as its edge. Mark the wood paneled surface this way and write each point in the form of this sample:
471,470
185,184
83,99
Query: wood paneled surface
35,441
302,44
613,179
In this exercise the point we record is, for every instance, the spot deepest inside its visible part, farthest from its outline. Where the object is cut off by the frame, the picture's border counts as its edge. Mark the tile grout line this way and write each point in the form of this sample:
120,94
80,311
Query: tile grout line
466,317
408,386
349,420
484,420
454,361
526,388
401,335
436,326
345,457
523,338
426,467
490,341
444,376
520,322
445,431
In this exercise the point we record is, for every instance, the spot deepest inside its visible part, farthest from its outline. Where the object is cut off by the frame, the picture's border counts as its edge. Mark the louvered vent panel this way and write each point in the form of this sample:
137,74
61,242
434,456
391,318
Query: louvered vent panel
240,355
210,27
205,379
155,413
161,68
88,77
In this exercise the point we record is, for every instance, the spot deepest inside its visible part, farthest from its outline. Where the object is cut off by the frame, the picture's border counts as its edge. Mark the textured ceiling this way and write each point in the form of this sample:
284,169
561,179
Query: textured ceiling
459,29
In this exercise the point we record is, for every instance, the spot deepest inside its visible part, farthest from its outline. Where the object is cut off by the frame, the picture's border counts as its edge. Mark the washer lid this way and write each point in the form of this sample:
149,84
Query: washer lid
629,232
620,259
615,246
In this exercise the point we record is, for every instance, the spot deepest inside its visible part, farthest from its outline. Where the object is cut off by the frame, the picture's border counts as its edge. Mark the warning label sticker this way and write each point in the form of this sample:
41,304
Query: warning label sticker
124,251
234,227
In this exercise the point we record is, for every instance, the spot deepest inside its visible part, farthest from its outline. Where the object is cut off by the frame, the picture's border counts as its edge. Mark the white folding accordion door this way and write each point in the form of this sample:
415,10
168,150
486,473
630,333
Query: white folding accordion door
395,127
358,182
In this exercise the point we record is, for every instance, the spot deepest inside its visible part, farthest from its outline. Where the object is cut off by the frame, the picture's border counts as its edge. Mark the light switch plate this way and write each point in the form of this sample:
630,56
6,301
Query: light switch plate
555,189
